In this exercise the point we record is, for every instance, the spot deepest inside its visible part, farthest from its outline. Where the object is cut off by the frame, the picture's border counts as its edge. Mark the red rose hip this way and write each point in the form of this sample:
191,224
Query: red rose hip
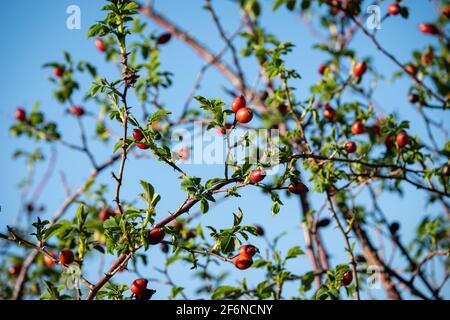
347,278
58,72
329,112
138,286
244,115
138,135
100,45
242,262
66,256
142,146
155,235
298,188
394,9
257,175
105,214
428,28
358,128
350,146
77,111
402,139
248,250
20,114
359,69
238,103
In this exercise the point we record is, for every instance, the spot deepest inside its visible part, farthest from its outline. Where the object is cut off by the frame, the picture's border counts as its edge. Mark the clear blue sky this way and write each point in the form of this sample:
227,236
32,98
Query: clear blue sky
34,32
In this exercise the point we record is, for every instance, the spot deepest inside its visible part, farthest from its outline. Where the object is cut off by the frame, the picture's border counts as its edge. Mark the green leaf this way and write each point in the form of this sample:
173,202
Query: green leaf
149,191
294,252
158,115
50,231
204,206
226,291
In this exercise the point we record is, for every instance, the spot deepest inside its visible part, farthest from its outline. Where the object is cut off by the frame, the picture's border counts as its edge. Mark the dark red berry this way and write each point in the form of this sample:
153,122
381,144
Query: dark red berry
350,146
347,278
105,214
164,38
328,112
394,227
138,135
322,69
298,188
77,111
66,256
259,230
155,236
428,28
100,45
58,72
20,114
257,175
411,69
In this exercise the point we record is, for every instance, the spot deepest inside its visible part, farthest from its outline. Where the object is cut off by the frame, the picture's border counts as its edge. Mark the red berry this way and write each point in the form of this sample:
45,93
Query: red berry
142,146
428,28
257,175
183,153
377,129
15,269
394,9
100,45
105,214
446,11
402,139
329,112
138,135
298,188
413,98
347,278
411,69
58,72
77,111
358,127
20,114
428,57
248,250
48,261
322,69
282,108
156,235
222,131
259,230
242,262
359,69
66,256
138,286
350,146
389,142
244,115
238,103
164,38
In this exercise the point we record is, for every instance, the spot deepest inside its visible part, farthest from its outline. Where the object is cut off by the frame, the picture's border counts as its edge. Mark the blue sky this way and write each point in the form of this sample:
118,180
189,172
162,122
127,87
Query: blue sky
34,33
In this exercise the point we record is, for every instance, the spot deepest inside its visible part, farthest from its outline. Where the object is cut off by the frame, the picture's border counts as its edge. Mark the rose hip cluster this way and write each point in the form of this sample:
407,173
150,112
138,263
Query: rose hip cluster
244,258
